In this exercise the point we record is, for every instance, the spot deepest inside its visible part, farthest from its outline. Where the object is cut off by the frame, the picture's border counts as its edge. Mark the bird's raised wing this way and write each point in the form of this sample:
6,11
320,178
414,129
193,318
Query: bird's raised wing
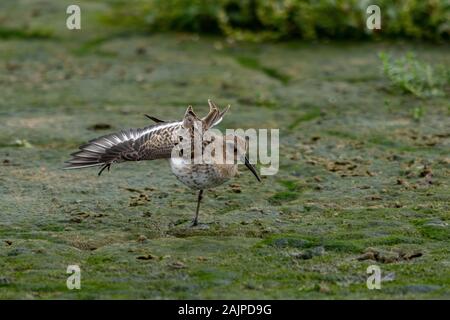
149,143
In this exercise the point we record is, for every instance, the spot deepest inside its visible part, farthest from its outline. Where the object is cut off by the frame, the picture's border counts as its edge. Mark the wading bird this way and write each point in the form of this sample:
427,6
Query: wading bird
173,140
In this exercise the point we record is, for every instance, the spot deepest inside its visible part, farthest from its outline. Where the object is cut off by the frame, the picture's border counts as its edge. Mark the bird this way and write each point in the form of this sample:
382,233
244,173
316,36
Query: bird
175,141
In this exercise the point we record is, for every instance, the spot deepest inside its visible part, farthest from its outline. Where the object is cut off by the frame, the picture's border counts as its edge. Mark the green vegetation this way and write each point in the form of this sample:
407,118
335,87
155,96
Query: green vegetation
299,19
412,76
24,33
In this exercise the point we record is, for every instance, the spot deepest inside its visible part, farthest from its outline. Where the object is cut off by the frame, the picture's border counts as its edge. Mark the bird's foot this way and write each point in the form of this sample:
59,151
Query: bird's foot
197,225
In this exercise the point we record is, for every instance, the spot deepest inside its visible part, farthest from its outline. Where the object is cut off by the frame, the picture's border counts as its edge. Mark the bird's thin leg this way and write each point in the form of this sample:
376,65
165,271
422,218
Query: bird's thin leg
106,165
199,199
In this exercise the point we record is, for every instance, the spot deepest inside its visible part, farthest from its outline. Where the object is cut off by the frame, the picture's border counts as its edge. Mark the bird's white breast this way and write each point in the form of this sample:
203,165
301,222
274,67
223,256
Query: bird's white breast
196,176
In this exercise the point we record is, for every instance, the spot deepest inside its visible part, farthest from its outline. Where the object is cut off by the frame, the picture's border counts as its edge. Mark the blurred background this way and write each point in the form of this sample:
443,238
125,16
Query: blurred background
286,19
364,120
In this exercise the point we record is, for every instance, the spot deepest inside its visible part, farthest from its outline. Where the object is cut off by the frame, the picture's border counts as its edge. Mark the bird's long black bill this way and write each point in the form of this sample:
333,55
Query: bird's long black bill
252,169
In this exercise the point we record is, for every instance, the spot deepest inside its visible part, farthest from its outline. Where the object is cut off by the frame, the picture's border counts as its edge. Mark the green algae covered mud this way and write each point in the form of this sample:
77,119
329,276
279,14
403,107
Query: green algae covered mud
359,207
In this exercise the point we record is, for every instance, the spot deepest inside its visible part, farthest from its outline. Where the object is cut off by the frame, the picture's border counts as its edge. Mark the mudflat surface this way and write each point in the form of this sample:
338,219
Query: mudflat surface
361,182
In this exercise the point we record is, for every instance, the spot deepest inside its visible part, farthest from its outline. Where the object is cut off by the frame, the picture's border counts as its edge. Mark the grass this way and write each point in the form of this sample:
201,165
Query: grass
412,76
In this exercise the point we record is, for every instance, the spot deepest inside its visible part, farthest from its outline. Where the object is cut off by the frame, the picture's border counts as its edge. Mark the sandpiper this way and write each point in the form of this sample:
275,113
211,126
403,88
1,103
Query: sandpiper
164,140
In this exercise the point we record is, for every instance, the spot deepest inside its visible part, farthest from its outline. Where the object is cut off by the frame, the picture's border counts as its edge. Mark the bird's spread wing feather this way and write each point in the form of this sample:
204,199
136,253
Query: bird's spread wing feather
149,143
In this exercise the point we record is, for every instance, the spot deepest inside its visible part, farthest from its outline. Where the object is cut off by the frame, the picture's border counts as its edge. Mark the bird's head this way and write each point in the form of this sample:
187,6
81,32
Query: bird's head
238,146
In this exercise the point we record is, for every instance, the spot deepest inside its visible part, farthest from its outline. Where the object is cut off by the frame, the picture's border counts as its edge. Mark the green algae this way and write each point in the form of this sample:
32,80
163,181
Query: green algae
353,174
254,64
